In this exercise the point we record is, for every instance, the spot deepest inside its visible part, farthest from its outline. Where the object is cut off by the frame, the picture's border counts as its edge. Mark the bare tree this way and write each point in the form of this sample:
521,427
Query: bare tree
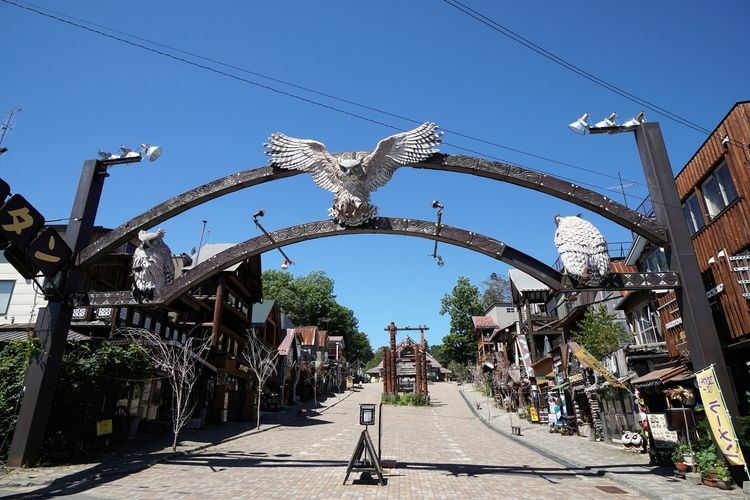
313,375
179,361
262,362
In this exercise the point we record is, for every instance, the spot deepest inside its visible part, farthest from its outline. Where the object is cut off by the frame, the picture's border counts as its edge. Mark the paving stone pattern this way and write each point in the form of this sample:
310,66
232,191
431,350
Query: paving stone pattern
444,451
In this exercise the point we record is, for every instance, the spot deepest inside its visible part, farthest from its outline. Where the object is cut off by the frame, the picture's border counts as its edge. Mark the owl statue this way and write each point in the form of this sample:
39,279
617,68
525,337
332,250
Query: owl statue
152,265
583,250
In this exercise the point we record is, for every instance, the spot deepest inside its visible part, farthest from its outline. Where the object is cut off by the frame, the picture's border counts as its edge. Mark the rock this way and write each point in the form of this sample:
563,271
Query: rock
693,478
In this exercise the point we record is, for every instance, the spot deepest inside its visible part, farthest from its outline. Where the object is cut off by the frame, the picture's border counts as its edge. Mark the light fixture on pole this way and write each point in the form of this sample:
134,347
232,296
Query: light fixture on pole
53,320
581,125
128,155
697,319
434,255
608,125
287,261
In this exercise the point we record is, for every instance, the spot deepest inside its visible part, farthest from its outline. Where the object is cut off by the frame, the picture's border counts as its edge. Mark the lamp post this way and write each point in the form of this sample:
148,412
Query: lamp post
697,319
53,321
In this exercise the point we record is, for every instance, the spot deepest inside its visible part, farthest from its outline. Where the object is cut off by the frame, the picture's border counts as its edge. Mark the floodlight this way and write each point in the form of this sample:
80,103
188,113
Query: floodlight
581,125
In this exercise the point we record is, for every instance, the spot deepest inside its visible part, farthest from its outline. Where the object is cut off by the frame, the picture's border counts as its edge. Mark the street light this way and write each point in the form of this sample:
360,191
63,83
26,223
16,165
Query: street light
53,321
287,261
702,337
440,207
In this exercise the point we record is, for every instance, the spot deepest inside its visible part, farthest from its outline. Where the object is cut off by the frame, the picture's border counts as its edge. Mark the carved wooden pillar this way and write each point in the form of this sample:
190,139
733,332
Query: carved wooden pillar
386,370
417,370
394,372
423,360
218,309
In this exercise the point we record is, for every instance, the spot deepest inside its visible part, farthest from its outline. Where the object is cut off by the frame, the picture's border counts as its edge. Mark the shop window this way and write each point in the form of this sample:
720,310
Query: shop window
691,209
6,291
718,190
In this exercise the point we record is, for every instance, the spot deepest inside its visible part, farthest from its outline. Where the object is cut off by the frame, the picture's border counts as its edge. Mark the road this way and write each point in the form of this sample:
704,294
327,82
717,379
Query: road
442,451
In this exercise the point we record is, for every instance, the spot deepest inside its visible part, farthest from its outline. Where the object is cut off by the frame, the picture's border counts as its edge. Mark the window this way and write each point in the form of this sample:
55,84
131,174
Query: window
718,190
6,290
692,212
644,326
655,262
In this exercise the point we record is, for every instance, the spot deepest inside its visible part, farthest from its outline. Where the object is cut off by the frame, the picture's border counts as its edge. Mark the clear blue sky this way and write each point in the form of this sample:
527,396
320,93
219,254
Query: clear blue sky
424,60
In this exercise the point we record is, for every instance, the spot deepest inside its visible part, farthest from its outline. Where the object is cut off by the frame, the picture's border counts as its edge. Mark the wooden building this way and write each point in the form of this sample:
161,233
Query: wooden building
714,188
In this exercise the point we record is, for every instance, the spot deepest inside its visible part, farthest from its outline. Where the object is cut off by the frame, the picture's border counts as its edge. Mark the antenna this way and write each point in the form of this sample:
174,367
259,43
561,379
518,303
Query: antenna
623,187
7,125
200,244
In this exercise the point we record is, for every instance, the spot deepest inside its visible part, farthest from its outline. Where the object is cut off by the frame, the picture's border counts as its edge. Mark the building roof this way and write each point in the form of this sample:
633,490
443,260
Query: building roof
525,283
307,333
483,323
322,338
287,343
332,339
260,313
655,377
209,250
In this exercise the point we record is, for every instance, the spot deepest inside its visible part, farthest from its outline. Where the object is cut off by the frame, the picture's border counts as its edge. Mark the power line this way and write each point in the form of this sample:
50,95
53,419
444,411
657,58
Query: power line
503,30
316,103
76,22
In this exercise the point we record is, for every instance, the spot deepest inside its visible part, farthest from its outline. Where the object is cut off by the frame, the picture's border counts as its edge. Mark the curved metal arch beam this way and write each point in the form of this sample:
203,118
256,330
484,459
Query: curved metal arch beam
505,172
379,225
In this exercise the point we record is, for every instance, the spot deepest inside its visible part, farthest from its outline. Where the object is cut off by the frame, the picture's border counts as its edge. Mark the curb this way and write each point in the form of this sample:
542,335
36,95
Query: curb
556,458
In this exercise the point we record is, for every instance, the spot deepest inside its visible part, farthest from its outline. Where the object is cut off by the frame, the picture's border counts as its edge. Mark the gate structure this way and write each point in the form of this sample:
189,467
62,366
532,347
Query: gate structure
658,174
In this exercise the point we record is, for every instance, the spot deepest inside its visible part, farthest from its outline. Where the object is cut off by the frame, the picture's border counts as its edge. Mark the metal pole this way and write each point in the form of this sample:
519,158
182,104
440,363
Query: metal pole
702,337
53,323
380,426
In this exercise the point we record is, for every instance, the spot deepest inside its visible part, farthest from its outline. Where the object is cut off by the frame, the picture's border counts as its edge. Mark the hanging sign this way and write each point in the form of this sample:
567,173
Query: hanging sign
717,415
590,361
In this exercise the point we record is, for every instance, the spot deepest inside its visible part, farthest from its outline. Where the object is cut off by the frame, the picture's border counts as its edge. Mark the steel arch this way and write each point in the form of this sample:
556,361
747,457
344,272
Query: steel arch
520,176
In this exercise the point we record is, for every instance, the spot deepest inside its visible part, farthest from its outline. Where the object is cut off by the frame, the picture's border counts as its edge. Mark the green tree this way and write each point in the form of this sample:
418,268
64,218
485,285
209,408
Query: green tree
375,359
461,304
598,332
496,289
14,359
310,301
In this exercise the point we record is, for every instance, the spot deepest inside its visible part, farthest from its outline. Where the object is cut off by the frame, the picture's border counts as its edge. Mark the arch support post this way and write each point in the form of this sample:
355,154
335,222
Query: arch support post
702,337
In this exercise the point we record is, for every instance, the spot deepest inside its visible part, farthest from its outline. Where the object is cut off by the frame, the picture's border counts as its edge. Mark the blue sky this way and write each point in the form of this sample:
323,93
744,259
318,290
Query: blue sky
423,60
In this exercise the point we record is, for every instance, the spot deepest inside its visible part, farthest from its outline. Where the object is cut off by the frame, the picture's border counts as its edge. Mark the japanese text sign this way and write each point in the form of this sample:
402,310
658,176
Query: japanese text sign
717,415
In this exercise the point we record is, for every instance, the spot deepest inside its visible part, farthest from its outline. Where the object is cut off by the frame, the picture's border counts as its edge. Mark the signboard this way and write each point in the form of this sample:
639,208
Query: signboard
590,361
663,437
104,427
718,418
534,414
26,249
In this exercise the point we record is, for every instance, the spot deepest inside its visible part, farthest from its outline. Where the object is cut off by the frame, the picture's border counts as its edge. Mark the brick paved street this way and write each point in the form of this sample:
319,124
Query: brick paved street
442,452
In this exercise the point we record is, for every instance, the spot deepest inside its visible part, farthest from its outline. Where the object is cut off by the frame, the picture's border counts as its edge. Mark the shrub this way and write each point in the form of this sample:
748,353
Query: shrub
406,399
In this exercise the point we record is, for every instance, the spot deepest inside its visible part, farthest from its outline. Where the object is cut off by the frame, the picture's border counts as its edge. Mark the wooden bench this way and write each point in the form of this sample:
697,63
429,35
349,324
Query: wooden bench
515,430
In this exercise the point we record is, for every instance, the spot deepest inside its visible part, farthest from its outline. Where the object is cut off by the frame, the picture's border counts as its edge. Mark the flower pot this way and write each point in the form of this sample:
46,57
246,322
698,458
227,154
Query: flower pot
709,481
724,485
689,459
682,467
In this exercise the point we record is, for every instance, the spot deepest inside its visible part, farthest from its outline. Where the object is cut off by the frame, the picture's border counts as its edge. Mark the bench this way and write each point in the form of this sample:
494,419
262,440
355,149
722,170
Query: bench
515,430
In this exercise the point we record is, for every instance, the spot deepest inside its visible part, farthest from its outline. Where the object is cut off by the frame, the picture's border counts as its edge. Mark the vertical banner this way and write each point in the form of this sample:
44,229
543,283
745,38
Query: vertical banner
525,355
718,418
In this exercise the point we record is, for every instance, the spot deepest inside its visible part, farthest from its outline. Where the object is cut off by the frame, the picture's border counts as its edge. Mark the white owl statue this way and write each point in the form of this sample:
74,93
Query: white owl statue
583,250
152,265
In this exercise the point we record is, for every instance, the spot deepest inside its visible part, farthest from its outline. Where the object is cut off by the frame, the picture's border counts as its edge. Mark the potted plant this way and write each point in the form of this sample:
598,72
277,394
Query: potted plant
678,457
723,478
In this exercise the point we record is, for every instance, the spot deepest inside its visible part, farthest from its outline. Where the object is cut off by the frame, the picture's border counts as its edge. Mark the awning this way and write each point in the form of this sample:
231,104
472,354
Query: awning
657,377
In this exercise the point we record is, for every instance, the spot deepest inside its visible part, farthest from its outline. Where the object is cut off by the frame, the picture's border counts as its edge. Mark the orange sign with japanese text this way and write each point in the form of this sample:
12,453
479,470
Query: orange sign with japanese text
718,418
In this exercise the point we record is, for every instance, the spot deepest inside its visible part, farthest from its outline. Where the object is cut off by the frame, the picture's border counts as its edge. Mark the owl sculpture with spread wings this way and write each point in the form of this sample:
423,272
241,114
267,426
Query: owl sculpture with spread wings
583,250
152,265
352,176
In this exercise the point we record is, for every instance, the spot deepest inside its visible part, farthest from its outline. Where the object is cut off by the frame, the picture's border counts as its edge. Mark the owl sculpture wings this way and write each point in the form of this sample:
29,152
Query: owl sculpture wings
152,265
583,250
352,176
